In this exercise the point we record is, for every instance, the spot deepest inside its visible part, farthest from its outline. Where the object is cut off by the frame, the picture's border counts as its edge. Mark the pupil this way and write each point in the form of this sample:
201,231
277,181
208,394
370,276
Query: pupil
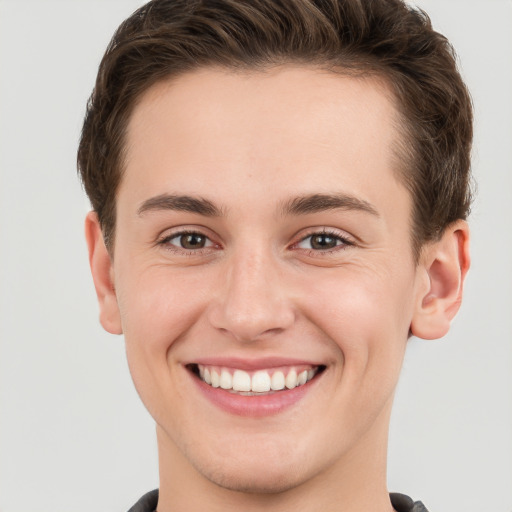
192,241
323,242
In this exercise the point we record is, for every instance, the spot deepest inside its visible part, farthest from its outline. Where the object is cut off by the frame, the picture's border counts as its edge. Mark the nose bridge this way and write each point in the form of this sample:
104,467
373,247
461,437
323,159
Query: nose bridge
253,301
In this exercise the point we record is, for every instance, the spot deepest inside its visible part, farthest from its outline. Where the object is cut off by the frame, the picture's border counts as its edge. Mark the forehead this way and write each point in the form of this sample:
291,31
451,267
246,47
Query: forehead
287,131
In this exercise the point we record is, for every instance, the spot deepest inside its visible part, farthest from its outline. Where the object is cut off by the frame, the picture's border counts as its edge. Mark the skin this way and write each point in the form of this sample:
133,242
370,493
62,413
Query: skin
249,143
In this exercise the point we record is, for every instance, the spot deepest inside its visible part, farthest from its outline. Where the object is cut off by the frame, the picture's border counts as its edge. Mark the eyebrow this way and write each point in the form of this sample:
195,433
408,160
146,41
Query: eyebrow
182,203
315,203
303,205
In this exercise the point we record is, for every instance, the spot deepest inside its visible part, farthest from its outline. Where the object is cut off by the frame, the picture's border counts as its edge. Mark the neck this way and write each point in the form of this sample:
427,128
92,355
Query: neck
355,482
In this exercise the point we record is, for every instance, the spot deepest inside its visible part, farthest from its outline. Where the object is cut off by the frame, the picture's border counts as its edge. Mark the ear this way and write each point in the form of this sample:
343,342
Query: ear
102,274
444,265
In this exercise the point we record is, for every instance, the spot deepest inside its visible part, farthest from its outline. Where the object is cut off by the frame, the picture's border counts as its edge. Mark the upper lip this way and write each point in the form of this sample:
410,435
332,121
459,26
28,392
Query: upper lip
249,364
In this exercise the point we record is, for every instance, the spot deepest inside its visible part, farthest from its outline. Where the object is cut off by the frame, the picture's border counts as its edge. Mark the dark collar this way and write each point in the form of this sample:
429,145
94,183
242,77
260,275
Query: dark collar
400,502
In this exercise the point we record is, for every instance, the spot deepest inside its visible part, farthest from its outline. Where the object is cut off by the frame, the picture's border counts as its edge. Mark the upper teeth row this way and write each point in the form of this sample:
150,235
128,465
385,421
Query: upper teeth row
260,382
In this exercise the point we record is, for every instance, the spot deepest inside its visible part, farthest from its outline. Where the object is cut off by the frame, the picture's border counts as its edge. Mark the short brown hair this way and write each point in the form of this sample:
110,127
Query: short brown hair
386,38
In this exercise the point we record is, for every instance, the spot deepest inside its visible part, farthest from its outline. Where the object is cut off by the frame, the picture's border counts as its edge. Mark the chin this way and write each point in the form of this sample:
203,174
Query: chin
256,464
256,480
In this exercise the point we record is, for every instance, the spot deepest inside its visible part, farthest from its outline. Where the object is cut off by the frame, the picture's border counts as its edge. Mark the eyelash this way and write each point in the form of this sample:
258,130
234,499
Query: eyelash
165,241
342,242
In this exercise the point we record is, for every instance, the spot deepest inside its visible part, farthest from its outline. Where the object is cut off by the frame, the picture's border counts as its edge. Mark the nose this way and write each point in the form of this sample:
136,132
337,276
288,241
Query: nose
253,301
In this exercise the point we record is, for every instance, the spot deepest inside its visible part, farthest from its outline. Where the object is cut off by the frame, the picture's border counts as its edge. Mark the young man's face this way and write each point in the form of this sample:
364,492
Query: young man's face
262,232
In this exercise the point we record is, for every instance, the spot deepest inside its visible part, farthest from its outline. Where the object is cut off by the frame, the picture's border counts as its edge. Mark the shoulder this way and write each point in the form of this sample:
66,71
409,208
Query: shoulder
402,503
147,503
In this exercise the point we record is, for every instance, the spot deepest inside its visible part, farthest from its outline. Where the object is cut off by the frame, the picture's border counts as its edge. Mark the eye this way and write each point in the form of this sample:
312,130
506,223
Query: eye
323,241
189,241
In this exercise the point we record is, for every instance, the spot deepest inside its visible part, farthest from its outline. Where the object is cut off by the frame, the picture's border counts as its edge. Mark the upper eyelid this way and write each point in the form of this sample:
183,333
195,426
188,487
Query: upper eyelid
347,241
332,235
337,233
302,235
169,233
164,243
184,233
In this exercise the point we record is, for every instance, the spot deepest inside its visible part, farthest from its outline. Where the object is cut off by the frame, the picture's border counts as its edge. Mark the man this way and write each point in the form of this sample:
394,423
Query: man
279,196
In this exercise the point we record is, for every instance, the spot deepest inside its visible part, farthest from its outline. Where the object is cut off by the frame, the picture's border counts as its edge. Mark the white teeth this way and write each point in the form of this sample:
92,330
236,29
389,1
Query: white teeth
261,382
302,378
277,383
241,381
291,379
215,379
226,381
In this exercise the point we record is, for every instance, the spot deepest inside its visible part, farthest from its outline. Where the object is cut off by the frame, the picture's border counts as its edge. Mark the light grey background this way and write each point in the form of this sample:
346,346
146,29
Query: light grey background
73,435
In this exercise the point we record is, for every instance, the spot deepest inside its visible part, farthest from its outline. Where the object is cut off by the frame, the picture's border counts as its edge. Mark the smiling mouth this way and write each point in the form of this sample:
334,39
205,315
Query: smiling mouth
255,383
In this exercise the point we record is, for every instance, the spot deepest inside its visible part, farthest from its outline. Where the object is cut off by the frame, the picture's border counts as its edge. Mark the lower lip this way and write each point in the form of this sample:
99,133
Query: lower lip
256,405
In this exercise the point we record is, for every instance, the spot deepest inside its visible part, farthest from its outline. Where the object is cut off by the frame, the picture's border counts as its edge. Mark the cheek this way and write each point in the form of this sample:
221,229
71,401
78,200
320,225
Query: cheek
367,314
157,308
159,305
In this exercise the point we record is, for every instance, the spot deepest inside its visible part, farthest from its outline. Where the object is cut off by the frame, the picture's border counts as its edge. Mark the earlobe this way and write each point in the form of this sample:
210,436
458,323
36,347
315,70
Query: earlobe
102,274
444,264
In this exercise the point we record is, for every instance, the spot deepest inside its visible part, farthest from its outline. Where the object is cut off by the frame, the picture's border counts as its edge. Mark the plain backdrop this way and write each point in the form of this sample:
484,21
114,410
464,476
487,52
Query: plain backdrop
73,435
